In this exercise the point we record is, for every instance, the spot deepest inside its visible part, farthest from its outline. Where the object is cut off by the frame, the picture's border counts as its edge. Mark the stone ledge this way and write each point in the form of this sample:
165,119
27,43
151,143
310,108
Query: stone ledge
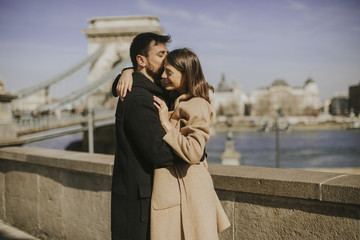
302,184
69,160
344,189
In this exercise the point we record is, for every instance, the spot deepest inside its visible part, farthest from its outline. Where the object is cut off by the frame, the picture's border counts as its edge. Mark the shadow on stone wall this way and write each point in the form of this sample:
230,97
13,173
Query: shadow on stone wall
104,141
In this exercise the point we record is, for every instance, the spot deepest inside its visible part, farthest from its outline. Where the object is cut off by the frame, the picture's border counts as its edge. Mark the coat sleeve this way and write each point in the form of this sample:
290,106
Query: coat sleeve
195,121
113,88
114,85
144,128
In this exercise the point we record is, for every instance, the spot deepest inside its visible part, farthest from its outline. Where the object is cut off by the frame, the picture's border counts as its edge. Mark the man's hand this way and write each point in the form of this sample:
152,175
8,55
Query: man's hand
125,83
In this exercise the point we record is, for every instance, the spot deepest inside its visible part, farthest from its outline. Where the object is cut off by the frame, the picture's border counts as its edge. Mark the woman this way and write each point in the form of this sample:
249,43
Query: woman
185,193
184,204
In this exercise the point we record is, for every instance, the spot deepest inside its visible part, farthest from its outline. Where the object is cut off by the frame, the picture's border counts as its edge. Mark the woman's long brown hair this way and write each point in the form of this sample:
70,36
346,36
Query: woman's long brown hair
186,61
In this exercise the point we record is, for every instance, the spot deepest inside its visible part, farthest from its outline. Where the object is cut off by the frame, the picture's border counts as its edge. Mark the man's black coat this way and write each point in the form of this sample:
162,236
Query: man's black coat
139,148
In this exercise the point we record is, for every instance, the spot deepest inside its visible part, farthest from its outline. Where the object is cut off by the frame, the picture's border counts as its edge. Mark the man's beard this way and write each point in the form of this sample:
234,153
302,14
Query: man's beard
156,75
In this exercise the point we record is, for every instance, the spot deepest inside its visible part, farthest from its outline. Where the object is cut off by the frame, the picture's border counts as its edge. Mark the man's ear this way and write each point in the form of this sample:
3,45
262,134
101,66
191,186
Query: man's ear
141,60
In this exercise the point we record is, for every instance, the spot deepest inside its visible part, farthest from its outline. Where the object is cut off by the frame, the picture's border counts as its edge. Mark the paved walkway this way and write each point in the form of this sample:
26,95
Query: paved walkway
8,232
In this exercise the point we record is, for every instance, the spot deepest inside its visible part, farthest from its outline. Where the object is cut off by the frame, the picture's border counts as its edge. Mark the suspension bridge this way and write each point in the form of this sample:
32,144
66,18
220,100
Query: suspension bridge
40,112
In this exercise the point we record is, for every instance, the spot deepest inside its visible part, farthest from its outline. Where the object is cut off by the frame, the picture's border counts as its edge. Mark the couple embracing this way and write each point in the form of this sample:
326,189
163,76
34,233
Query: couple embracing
161,189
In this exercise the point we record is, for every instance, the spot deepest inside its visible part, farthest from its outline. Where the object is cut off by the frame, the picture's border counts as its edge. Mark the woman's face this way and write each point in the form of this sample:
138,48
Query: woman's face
173,79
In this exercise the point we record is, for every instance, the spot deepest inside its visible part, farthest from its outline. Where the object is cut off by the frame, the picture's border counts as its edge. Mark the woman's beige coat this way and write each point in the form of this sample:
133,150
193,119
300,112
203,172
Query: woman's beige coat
184,203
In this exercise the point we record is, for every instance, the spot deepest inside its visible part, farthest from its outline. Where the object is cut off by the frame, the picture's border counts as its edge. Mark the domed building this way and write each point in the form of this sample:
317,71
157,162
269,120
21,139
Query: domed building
293,101
228,99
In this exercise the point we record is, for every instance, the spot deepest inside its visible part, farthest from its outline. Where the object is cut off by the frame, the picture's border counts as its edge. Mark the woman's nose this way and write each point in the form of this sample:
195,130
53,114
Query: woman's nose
163,75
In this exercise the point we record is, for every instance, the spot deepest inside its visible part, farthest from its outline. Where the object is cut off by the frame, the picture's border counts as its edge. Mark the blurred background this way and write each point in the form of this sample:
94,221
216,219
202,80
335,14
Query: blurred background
286,74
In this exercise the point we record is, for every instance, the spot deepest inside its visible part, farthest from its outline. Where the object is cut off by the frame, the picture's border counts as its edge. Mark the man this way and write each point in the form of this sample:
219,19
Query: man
139,146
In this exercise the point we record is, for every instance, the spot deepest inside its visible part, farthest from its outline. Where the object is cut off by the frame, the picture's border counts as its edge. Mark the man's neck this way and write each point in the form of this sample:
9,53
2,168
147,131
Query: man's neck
143,71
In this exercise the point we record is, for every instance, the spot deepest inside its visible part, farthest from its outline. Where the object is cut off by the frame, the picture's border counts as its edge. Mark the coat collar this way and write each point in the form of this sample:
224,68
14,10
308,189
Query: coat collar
182,97
141,81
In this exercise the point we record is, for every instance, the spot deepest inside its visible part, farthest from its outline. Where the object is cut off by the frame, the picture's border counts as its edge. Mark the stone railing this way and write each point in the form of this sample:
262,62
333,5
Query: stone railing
55,194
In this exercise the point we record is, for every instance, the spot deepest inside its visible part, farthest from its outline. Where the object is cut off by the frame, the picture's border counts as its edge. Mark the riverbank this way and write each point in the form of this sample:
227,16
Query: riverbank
250,126
336,149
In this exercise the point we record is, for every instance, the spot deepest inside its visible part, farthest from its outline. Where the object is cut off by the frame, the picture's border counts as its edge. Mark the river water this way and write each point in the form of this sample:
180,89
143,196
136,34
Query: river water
298,149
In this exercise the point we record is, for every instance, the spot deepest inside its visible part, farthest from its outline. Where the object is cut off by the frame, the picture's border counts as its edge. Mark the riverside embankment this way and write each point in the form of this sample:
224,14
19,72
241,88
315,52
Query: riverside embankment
55,194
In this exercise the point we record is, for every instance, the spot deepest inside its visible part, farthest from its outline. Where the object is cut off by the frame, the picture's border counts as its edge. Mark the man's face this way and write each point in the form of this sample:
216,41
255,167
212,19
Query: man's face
155,59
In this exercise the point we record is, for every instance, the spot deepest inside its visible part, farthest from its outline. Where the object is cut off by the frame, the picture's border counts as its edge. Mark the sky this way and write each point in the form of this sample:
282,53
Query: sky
252,42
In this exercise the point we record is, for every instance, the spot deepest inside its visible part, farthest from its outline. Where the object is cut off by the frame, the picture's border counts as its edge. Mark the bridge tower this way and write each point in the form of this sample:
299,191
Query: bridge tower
115,35
7,126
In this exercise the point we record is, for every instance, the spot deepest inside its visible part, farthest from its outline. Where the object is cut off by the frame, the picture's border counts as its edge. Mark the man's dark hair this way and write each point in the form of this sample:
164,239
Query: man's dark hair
140,44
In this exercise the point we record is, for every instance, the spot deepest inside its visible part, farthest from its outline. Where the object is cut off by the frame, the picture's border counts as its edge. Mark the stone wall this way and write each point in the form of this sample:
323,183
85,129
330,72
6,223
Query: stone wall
55,194
267,203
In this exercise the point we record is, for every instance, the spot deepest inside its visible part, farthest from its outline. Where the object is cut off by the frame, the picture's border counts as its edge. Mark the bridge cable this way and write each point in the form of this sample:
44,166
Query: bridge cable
89,89
47,83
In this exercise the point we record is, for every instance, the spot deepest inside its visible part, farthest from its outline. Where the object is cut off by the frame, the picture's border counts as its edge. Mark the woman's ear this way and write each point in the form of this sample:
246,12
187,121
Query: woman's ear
141,60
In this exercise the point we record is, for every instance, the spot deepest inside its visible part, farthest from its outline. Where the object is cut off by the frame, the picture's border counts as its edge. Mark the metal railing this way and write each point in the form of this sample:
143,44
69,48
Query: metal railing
30,124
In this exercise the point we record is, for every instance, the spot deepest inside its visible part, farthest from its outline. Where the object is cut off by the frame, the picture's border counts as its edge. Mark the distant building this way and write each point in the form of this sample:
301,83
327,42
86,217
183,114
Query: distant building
326,106
229,99
293,101
339,106
354,99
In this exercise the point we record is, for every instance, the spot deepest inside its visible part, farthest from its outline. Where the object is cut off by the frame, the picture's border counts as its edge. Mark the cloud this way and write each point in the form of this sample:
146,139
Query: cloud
147,6
217,45
203,19
297,5
212,22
